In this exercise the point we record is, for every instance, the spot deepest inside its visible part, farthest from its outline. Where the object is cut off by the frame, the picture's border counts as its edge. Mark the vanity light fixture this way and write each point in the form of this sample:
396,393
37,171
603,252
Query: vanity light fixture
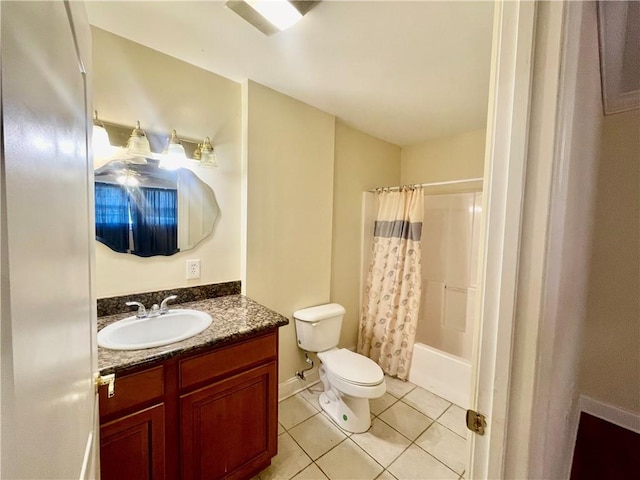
100,140
271,16
173,151
173,156
138,145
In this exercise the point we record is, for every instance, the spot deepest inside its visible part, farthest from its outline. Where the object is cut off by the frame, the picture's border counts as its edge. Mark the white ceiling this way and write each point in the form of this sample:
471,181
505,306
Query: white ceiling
402,71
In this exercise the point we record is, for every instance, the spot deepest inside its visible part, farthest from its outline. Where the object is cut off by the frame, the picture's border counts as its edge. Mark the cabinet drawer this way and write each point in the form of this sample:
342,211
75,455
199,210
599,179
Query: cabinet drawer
226,360
132,390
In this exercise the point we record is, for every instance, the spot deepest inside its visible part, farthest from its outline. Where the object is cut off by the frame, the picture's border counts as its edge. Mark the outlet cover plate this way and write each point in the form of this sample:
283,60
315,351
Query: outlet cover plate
193,269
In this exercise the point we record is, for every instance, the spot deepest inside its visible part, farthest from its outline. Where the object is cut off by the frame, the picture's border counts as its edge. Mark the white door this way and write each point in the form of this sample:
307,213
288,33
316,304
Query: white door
48,314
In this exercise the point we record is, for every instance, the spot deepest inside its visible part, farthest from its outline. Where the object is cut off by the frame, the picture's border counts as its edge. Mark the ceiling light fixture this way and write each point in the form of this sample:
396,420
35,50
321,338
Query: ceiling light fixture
271,16
281,13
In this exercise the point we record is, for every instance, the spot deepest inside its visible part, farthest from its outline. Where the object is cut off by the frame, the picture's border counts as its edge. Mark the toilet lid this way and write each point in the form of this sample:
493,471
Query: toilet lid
353,368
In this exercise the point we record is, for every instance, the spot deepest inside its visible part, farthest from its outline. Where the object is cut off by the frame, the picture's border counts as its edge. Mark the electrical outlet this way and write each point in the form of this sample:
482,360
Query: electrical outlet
193,269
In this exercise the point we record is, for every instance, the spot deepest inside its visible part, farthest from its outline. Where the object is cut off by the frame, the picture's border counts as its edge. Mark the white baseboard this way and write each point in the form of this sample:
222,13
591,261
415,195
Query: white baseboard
294,385
612,414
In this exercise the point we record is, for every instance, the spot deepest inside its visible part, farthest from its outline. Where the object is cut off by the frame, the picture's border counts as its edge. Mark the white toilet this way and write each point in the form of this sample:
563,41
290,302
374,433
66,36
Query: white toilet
349,379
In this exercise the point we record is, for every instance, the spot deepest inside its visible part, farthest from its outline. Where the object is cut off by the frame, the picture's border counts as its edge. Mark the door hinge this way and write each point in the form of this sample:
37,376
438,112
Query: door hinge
109,380
476,422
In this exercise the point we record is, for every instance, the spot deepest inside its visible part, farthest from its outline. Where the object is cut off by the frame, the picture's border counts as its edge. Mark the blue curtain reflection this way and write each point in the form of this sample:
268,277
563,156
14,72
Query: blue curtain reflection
112,216
154,222
150,214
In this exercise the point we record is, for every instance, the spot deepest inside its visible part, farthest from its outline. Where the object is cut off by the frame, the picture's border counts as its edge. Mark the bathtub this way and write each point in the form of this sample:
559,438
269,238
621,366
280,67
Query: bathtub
439,372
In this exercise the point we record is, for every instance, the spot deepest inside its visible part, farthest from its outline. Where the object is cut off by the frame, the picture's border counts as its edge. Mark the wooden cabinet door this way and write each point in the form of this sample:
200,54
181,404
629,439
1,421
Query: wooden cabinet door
132,447
229,428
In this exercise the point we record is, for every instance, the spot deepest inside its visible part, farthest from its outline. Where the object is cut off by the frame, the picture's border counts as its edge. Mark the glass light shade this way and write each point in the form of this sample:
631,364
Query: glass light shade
171,161
209,159
175,150
100,143
280,13
207,154
138,144
174,155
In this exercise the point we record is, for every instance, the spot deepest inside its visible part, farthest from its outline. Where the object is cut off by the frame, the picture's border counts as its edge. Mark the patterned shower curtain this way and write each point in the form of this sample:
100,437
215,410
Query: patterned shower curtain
392,293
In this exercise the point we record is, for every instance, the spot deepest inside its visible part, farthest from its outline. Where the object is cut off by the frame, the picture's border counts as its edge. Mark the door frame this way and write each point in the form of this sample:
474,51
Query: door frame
505,359
499,250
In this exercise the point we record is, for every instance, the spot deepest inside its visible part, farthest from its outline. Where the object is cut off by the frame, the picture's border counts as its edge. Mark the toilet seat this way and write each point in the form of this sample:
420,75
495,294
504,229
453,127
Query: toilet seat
352,367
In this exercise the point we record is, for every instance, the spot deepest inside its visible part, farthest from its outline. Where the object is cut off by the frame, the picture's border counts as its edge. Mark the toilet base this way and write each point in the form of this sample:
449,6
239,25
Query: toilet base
349,413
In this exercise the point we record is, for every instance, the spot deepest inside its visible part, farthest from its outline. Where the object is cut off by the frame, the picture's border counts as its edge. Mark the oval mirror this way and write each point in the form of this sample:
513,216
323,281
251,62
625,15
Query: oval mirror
146,210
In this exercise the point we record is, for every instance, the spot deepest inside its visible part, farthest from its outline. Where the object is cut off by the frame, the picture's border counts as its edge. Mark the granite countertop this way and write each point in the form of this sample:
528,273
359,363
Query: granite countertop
234,317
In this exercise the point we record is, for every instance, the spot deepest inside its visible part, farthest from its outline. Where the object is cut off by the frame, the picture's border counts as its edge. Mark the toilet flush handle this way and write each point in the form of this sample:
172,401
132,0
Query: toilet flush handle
313,324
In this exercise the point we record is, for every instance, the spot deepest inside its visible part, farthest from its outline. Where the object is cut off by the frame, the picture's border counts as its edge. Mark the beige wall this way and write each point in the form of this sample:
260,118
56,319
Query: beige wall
132,82
611,348
289,197
444,159
361,163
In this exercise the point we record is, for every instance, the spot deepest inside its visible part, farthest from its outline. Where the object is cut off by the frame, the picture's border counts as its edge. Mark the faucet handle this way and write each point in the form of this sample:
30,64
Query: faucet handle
163,304
142,312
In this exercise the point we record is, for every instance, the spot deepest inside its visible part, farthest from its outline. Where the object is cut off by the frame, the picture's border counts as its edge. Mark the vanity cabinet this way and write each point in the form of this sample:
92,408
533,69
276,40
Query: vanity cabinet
211,415
132,437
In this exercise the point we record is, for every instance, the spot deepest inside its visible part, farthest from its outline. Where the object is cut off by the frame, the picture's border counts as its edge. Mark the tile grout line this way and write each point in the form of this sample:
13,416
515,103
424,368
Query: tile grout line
303,451
398,431
347,437
451,430
304,420
437,459
455,433
413,442
349,434
420,411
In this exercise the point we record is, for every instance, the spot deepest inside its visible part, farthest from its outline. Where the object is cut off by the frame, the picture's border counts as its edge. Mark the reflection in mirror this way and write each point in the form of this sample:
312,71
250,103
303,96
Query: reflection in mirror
146,210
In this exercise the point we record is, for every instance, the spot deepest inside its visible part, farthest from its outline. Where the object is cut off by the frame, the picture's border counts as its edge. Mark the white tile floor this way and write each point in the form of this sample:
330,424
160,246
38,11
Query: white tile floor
414,434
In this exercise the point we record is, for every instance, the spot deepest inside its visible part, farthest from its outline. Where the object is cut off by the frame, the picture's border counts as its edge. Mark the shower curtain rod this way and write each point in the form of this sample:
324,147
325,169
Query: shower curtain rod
436,184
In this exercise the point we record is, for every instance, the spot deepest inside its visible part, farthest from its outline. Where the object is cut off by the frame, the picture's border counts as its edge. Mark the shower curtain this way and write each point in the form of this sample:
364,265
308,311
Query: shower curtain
392,292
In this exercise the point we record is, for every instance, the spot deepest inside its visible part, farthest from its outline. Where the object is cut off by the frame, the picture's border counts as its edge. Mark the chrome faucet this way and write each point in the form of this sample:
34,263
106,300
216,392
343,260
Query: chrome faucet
142,312
163,305
155,310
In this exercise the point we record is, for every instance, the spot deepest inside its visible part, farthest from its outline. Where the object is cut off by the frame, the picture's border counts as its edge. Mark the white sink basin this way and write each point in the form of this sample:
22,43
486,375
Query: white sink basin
134,333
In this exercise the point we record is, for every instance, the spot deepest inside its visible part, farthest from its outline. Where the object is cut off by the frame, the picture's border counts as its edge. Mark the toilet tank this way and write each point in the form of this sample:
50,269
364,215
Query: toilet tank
318,328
